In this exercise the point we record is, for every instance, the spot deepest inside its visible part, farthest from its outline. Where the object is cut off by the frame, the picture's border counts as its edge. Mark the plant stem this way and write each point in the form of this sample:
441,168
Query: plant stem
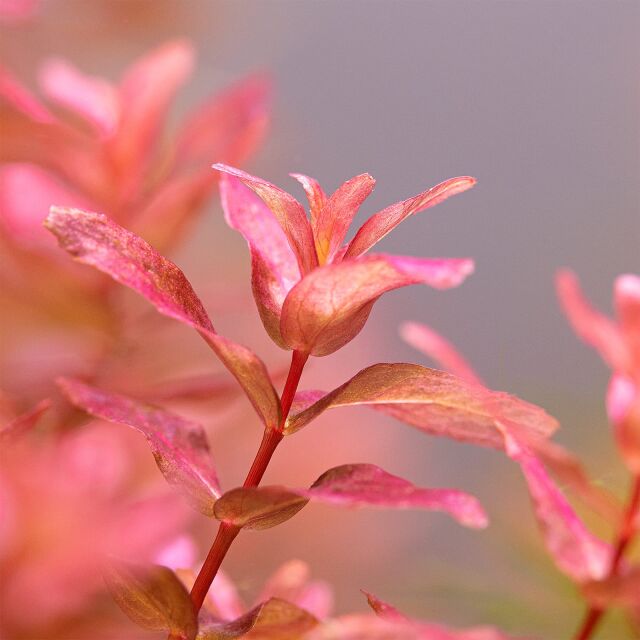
625,537
271,438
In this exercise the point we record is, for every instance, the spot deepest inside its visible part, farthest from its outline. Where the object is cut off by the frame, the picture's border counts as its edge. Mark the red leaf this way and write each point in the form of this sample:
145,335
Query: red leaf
23,423
94,239
366,485
336,215
381,223
274,269
287,210
330,305
179,446
433,401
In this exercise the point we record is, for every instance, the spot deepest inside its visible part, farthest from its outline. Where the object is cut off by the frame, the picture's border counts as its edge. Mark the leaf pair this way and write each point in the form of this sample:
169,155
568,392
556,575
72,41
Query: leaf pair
314,294
154,598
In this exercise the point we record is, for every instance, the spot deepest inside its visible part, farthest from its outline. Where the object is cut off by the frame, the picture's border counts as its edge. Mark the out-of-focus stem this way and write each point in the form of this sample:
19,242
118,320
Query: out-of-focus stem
271,438
625,536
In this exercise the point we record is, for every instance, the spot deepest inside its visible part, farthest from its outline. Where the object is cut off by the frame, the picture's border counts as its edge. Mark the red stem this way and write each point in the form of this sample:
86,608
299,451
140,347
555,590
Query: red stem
271,438
625,537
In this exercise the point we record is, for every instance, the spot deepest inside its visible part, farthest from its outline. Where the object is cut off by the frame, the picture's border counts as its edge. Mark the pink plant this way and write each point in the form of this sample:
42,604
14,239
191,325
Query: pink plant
314,295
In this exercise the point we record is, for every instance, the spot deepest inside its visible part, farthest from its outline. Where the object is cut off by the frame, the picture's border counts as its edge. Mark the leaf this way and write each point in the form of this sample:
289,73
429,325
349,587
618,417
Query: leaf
20,98
336,215
258,507
429,630
228,126
439,349
315,195
433,401
381,223
287,210
576,551
154,598
94,239
92,98
329,306
367,627
22,424
594,328
292,582
627,304
275,619
565,466
145,94
366,485
623,407
179,446
274,269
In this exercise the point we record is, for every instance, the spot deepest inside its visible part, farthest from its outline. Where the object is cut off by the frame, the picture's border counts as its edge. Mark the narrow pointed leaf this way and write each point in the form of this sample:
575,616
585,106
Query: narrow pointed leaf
275,618
287,210
433,401
154,598
329,306
366,485
92,98
623,407
575,550
228,126
381,223
439,349
274,270
18,96
258,507
94,239
22,424
179,446
429,630
593,327
627,303
315,195
145,93
337,214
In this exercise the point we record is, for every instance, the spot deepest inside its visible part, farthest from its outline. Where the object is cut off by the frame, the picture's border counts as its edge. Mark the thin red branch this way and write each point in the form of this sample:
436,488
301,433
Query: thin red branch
625,536
271,438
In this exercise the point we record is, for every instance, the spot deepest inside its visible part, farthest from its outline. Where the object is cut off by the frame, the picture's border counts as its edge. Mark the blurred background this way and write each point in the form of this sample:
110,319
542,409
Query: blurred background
538,100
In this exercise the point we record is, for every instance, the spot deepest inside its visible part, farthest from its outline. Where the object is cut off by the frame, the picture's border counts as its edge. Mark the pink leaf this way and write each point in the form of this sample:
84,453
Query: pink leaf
381,223
145,93
179,446
329,306
228,126
433,401
289,213
22,424
366,485
576,551
590,325
292,582
439,349
94,239
336,215
623,407
274,618
315,195
22,99
365,627
620,590
627,302
274,269
153,598
92,98
428,630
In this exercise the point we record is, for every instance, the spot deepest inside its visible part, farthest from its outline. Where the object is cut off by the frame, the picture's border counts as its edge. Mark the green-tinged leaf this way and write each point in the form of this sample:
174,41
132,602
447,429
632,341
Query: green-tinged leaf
154,598
274,619
258,507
